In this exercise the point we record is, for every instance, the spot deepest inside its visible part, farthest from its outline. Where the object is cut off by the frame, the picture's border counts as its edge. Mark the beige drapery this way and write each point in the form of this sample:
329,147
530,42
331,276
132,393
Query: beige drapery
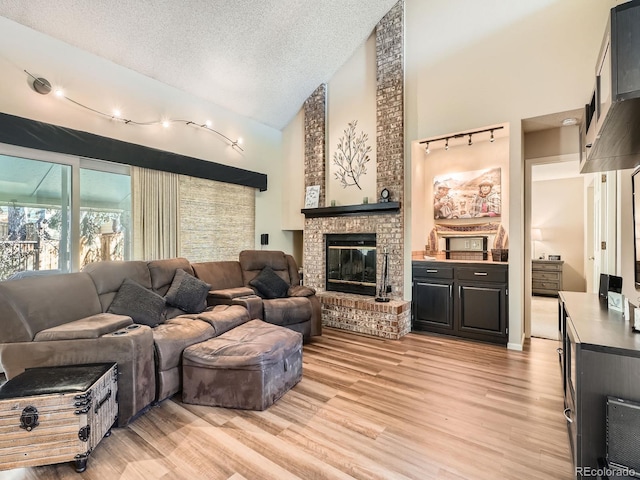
155,206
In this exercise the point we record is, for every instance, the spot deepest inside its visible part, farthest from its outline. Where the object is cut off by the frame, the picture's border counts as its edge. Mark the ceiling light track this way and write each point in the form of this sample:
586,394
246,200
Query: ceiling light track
43,87
460,135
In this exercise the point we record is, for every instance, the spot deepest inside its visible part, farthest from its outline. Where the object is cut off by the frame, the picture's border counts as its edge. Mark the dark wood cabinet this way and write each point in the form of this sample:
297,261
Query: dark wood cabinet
465,299
601,358
607,139
435,308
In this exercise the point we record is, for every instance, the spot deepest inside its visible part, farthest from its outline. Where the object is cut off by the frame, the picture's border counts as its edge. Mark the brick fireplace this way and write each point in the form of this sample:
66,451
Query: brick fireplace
348,311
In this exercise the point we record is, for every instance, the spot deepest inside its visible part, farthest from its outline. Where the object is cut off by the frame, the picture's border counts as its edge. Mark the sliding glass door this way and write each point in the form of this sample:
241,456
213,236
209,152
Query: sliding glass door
58,213
105,212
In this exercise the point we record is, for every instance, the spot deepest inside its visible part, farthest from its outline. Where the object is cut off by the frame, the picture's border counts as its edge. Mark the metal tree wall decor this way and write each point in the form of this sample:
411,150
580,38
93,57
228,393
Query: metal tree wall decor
352,156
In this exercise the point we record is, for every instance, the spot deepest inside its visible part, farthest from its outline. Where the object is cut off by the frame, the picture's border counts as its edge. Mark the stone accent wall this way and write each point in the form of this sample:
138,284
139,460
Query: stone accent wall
363,315
315,115
217,220
389,228
390,101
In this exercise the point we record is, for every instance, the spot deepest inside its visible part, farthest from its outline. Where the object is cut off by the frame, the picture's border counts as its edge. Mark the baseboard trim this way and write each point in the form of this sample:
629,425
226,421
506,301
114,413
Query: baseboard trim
516,346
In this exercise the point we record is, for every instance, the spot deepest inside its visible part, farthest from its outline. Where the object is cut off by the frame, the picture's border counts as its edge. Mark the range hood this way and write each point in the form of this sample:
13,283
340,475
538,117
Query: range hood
610,133
617,143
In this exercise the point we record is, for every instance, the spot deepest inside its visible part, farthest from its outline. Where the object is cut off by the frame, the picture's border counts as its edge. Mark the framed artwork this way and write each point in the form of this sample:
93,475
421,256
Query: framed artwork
312,197
475,194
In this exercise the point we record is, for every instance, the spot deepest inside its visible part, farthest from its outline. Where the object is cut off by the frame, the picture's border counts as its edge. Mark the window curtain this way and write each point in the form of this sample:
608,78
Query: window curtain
156,219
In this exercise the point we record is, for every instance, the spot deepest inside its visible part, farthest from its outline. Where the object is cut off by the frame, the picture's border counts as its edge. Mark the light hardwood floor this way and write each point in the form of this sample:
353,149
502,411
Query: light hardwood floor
424,407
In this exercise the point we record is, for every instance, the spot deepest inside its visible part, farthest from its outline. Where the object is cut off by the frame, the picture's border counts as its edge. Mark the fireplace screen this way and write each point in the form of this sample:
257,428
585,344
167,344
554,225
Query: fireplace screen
351,263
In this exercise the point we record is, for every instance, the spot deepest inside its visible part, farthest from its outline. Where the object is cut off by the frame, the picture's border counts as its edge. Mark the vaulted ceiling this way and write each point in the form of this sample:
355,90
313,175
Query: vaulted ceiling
258,58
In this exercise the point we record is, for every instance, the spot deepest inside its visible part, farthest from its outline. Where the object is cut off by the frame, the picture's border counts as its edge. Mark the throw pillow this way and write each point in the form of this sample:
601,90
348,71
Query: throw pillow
187,292
142,305
269,284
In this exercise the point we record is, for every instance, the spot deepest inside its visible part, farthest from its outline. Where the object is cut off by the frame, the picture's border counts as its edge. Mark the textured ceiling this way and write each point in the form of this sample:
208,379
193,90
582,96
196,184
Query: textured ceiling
258,58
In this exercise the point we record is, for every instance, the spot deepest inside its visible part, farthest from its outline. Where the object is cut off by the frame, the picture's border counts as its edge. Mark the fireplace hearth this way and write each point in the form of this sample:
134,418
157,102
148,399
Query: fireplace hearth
351,263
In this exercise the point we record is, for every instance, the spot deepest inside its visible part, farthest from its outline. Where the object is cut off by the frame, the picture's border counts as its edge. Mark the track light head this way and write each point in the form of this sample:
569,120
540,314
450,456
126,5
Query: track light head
492,139
446,144
427,149
42,86
470,142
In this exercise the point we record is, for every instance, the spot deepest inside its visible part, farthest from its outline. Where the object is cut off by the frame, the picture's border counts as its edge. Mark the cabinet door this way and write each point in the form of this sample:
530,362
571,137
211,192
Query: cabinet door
433,305
482,311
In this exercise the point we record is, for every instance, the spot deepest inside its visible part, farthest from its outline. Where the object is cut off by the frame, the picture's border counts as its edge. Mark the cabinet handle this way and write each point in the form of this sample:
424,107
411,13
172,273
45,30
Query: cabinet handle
450,291
480,274
559,350
588,145
432,271
567,412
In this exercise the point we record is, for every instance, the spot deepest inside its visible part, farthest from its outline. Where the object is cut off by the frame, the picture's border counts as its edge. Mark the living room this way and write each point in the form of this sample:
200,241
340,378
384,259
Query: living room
466,66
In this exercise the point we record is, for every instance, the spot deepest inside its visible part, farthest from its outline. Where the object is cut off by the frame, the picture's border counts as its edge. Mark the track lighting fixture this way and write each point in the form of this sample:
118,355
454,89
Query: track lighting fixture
461,135
427,149
43,87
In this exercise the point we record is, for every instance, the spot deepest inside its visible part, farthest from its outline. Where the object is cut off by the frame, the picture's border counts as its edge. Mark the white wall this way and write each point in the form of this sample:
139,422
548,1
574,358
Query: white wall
102,85
460,157
351,95
557,208
293,173
626,253
482,63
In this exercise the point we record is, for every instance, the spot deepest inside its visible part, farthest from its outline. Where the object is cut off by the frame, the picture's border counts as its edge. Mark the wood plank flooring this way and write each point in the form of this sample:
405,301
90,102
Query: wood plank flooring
423,407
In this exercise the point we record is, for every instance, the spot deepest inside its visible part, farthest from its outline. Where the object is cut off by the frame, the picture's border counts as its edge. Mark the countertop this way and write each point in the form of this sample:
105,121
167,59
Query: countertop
419,262
597,327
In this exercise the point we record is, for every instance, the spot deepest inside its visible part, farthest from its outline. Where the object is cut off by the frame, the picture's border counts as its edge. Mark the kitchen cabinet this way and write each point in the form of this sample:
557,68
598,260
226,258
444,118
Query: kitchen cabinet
600,358
463,299
612,116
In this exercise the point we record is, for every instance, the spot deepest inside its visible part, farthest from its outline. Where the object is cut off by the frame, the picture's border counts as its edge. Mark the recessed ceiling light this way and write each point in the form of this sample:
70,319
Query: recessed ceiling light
569,121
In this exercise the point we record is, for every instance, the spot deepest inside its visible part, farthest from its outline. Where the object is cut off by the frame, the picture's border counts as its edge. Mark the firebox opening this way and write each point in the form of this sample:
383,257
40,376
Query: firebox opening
351,263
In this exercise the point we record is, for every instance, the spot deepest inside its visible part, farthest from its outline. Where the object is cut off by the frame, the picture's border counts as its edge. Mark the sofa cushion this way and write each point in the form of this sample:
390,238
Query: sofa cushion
108,276
173,336
220,275
287,311
142,305
91,327
269,284
301,291
224,317
230,293
163,271
187,293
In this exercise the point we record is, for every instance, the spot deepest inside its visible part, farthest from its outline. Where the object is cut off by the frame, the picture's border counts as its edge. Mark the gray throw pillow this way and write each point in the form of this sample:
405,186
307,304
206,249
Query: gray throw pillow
269,284
142,305
187,292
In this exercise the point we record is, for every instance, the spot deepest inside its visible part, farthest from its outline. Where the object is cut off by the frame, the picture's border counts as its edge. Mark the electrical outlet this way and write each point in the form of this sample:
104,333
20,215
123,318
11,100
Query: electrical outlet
475,244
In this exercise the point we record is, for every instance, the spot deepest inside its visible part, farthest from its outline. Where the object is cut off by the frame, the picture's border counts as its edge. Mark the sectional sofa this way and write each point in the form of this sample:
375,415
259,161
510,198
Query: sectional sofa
142,315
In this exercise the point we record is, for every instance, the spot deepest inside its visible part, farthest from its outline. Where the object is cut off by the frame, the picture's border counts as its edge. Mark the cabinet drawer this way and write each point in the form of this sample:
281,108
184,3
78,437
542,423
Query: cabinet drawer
480,274
539,285
545,276
547,267
432,272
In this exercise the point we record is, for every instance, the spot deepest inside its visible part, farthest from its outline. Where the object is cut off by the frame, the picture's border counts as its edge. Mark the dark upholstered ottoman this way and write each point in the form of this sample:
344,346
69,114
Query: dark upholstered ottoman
248,367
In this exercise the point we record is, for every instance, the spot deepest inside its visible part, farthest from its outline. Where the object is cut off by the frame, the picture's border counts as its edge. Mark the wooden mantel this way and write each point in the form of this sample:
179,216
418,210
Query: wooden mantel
363,209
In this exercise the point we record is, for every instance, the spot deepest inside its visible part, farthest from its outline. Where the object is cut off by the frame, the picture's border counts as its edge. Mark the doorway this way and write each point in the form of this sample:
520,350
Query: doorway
558,231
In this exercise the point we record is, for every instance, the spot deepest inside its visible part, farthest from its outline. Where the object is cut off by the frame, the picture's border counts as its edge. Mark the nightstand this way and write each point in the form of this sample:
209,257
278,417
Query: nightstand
546,277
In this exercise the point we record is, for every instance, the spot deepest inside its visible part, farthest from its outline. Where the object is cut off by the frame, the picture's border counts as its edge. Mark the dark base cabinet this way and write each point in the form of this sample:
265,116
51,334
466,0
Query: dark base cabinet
466,300
601,359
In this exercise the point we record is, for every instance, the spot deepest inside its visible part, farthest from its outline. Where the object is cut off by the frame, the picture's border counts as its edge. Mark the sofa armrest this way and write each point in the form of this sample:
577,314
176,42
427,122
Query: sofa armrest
90,327
230,293
301,291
